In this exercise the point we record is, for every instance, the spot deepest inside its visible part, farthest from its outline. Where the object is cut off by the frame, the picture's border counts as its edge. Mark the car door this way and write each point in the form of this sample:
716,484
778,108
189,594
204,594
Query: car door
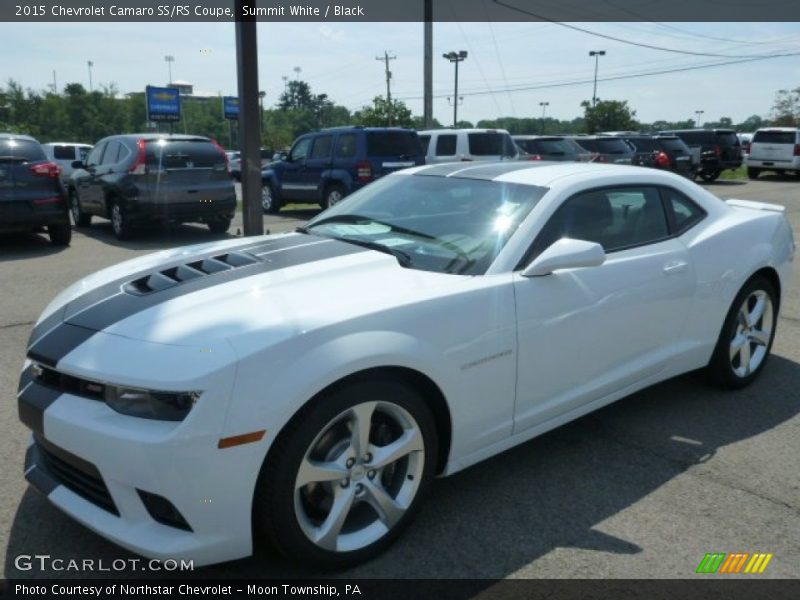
294,183
318,161
587,333
88,183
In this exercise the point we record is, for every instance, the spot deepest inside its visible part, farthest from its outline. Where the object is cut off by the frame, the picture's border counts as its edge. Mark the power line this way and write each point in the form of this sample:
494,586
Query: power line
499,58
620,40
612,78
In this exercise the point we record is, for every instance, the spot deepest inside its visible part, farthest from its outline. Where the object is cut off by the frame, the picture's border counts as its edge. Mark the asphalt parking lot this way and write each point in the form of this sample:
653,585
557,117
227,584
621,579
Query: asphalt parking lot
641,489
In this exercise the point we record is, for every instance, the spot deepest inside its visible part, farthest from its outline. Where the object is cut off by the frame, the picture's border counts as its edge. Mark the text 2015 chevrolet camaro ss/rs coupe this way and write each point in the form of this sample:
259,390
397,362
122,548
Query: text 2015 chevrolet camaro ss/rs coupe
304,389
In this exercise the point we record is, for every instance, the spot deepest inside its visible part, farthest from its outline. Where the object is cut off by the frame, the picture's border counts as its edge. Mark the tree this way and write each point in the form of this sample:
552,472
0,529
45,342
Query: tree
609,115
752,123
786,108
381,113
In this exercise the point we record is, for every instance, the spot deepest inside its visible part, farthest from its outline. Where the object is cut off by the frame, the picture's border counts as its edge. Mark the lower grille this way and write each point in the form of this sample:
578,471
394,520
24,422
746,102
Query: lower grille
73,472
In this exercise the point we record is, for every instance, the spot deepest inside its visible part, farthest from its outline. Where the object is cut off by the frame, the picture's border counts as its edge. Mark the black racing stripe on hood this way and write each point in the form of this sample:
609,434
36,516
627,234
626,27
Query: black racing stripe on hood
107,290
67,336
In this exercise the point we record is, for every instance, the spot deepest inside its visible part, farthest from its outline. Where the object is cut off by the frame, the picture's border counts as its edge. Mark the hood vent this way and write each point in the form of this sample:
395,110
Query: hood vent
162,280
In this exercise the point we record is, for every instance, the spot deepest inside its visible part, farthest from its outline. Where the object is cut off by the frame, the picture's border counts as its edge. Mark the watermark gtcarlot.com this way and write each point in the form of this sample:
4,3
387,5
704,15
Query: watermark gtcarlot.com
46,562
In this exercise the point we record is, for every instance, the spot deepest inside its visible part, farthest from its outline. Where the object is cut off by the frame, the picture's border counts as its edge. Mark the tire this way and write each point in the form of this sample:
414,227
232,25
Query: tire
120,223
334,193
749,329
219,225
709,176
60,233
269,201
753,172
290,515
80,218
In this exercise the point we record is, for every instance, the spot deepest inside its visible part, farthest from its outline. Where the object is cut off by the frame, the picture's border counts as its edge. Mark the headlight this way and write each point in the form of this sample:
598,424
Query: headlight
147,404
164,406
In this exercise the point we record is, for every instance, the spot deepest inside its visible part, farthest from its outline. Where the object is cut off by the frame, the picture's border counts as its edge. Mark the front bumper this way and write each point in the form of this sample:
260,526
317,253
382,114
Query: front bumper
100,466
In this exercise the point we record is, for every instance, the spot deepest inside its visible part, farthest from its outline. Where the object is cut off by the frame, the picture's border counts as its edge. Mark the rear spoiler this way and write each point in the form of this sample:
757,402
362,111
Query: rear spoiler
753,205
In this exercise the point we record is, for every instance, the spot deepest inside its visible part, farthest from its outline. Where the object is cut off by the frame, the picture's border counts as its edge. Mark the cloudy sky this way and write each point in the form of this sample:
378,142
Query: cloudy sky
510,69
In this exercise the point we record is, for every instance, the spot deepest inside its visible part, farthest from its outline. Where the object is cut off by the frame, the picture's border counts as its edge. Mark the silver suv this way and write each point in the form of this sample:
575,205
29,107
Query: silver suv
774,149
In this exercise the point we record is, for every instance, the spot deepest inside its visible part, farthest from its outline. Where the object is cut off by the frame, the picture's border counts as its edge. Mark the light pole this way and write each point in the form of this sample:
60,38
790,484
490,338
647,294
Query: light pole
544,106
297,72
285,84
697,114
455,58
169,59
597,54
261,95
90,64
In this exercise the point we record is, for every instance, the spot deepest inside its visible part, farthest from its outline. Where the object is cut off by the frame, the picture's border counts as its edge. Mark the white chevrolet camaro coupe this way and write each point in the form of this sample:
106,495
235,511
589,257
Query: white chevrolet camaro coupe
304,389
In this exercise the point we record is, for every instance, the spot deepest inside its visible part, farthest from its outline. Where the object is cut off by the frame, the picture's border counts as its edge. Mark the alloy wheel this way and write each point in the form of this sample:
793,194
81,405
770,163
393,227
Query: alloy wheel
266,198
359,476
753,333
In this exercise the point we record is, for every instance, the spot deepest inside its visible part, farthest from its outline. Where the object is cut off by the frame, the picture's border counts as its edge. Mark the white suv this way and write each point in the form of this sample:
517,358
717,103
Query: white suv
453,145
774,149
64,154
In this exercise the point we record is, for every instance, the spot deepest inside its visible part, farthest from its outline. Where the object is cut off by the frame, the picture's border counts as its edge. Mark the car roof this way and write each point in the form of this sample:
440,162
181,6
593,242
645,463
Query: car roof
466,130
175,137
540,173
77,144
784,129
700,130
17,136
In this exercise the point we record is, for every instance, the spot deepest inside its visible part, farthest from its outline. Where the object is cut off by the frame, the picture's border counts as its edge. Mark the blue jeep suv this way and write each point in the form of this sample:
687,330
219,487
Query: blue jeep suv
324,166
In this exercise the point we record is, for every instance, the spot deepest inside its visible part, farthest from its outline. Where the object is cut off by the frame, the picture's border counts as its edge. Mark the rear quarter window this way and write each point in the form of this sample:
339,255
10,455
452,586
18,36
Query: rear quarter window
64,152
727,137
22,150
491,144
446,145
393,143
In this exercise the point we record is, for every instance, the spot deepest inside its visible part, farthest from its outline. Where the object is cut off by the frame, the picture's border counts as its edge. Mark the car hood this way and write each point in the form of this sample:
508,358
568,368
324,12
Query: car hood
271,286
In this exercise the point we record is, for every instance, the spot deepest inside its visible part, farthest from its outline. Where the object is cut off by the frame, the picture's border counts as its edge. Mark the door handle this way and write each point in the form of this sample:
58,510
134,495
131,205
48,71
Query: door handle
676,266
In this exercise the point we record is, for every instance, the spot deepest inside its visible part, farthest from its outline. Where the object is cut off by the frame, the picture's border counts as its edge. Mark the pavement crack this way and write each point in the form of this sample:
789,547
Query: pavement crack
21,324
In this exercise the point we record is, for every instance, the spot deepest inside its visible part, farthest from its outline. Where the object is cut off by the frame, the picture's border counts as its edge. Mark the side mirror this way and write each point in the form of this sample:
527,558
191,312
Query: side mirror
566,253
282,156
77,164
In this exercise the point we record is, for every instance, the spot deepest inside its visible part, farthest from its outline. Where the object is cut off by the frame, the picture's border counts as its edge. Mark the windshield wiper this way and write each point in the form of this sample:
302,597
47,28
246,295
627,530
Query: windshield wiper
404,258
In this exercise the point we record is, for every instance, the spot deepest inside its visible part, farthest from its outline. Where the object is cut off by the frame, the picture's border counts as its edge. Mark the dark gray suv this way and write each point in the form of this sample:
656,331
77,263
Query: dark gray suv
146,178
31,193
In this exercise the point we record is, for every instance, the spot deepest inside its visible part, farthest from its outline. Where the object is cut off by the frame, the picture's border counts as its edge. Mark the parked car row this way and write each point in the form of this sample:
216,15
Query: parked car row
133,180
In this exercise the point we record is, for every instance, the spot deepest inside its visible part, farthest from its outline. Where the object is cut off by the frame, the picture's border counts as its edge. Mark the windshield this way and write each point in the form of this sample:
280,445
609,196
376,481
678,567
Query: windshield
554,146
443,224
605,145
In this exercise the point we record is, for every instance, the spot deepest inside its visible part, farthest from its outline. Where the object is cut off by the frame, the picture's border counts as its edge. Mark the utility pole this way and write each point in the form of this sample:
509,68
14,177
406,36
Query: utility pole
427,103
55,84
386,58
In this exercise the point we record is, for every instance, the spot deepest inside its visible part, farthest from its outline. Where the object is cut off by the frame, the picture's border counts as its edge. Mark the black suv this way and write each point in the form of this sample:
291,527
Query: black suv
666,152
144,178
31,193
550,147
717,149
325,166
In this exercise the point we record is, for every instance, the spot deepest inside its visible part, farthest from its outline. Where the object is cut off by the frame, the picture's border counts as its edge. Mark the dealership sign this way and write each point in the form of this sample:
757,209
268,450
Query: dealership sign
230,107
163,103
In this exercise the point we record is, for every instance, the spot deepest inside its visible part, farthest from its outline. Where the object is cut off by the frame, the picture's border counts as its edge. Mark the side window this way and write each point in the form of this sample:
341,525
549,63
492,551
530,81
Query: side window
96,155
346,146
83,152
685,214
614,218
300,149
322,147
446,145
424,142
111,153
